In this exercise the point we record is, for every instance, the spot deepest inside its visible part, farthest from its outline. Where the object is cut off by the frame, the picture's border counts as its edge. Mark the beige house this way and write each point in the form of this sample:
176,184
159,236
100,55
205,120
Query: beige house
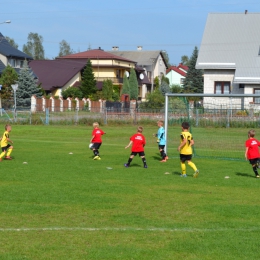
152,63
105,65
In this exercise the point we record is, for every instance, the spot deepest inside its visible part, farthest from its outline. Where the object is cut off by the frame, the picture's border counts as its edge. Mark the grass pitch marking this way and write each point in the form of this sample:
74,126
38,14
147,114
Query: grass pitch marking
88,229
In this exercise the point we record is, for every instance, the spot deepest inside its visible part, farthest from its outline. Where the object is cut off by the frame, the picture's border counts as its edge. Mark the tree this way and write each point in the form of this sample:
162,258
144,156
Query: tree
125,88
107,89
34,46
175,88
12,42
9,77
164,88
71,92
165,79
185,60
193,83
65,49
133,85
88,83
27,86
156,83
154,100
166,58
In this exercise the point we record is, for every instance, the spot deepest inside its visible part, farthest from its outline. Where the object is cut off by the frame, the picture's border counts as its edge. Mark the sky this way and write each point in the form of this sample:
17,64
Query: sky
169,25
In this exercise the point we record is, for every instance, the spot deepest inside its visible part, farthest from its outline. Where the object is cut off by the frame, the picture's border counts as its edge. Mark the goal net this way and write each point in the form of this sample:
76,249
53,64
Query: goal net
219,123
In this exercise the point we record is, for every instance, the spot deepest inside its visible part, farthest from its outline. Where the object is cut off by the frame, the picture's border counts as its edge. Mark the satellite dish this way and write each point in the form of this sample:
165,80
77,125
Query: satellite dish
127,73
141,76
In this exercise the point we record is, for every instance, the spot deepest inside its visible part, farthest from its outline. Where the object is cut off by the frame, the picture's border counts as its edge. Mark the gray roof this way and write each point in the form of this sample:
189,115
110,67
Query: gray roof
2,67
232,41
143,58
8,50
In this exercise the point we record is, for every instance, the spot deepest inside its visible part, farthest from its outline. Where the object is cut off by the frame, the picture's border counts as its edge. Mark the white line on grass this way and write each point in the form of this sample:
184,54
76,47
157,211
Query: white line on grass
130,229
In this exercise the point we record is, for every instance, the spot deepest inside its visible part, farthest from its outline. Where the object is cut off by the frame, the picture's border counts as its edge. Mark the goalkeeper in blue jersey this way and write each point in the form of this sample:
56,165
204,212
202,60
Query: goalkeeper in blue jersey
161,140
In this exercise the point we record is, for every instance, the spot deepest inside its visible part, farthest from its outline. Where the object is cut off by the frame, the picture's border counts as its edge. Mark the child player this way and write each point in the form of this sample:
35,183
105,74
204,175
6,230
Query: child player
96,140
161,140
252,151
6,147
185,150
138,142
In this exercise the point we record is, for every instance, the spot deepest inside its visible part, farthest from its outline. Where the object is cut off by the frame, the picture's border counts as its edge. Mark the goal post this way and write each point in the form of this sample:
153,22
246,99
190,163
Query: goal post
212,110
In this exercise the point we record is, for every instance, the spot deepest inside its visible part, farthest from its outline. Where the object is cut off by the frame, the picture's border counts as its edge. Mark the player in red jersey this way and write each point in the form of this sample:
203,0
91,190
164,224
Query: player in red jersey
138,142
252,151
96,140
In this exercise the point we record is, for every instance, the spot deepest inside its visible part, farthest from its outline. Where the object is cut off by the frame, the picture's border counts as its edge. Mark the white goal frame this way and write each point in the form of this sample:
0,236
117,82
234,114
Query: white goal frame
166,108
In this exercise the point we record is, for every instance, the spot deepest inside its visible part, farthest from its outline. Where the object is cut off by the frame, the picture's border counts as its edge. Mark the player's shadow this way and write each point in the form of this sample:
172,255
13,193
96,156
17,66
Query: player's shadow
135,165
245,175
157,158
176,173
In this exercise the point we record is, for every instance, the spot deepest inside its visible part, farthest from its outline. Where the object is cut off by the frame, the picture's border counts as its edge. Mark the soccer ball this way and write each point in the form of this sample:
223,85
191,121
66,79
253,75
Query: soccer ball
91,146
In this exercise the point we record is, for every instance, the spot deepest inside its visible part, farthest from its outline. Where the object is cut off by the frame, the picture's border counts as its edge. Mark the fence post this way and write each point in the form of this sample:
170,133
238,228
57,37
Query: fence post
197,117
105,117
47,116
77,115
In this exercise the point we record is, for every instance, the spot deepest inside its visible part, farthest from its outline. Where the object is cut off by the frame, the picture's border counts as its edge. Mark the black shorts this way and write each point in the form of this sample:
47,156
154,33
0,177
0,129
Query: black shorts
254,161
161,147
96,146
5,148
185,157
140,153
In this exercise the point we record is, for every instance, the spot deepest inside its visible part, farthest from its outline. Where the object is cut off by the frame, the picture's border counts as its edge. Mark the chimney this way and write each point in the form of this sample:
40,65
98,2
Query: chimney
139,48
245,11
115,48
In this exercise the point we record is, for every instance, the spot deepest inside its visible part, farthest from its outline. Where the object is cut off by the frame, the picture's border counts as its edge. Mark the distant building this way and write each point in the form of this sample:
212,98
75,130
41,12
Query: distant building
152,62
230,56
177,74
11,56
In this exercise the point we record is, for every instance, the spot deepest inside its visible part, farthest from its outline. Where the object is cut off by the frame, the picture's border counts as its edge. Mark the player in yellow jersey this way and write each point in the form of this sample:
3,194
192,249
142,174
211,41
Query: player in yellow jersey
185,149
6,147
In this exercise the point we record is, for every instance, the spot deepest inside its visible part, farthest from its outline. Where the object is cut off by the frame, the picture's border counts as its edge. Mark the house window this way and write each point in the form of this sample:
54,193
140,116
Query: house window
21,63
149,75
257,100
182,81
222,87
118,73
12,62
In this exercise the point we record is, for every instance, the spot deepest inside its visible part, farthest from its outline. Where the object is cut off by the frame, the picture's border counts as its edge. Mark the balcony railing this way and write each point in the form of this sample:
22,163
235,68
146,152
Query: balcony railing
113,79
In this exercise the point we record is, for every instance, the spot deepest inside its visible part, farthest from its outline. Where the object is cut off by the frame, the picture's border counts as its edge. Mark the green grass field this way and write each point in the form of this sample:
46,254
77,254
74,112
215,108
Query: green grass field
67,206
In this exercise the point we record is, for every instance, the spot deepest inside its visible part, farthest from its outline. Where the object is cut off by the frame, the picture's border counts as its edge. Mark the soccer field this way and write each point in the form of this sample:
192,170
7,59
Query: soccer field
60,205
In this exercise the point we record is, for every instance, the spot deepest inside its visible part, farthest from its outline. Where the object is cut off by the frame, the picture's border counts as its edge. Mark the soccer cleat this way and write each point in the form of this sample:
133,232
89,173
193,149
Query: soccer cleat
96,158
99,158
1,159
257,176
126,165
183,175
145,166
163,160
196,174
166,157
8,158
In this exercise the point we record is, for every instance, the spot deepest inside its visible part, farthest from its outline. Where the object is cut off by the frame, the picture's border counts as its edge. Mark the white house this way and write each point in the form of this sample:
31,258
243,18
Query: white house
177,74
230,56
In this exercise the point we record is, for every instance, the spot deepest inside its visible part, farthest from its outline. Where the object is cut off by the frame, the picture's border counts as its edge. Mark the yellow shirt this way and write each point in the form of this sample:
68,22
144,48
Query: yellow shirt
186,149
4,141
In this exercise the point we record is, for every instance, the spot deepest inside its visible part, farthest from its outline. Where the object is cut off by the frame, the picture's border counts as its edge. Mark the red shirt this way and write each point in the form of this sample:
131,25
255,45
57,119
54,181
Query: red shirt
97,135
138,142
253,151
